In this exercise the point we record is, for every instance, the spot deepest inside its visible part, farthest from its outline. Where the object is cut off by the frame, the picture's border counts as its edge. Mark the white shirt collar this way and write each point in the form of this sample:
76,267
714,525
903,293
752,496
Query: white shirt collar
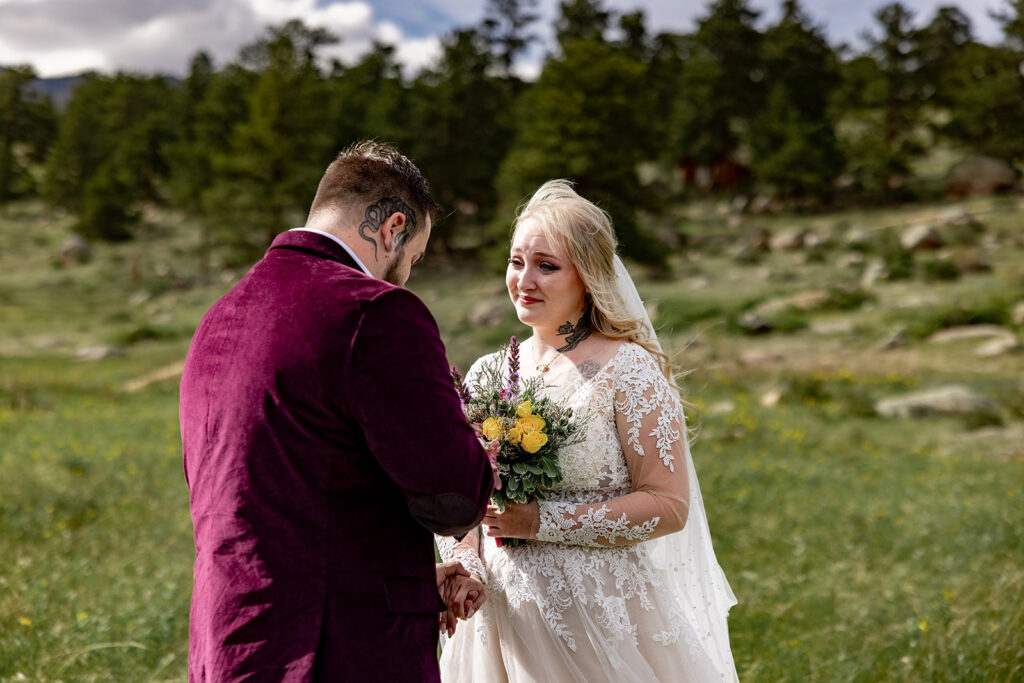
343,246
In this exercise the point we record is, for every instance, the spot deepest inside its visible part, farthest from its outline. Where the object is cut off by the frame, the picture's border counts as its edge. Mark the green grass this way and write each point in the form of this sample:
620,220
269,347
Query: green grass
860,549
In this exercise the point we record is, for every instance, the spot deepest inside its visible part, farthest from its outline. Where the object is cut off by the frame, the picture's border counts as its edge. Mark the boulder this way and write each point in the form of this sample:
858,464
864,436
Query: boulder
856,238
739,204
74,251
969,332
759,238
998,347
972,260
746,254
760,358
761,204
830,327
1018,313
721,408
951,400
874,271
850,260
696,282
980,175
921,237
99,352
957,217
813,240
894,341
753,324
789,240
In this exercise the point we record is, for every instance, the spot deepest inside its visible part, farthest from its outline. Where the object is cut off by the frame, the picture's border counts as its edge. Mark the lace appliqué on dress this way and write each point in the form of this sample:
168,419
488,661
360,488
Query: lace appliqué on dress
558,524
644,393
557,577
571,566
450,550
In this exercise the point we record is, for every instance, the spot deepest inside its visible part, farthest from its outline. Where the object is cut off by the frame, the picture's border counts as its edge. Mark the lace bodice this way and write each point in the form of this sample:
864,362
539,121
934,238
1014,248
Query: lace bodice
620,487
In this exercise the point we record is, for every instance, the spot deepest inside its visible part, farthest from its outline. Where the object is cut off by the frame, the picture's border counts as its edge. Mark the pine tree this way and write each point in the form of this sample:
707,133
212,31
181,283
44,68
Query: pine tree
370,100
937,48
505,26
883,102
581,20
721,87
586,119
27,129
465,117
110,153
985,86
793,138
278,153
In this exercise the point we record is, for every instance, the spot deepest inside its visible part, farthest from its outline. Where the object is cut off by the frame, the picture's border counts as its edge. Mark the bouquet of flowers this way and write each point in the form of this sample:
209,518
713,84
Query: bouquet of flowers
523,430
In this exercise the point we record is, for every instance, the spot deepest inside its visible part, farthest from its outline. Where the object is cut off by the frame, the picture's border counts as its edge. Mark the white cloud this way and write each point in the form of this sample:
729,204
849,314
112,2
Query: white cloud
67,36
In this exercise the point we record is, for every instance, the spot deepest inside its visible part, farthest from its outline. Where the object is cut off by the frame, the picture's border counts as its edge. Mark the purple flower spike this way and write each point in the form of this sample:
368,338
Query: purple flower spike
513,366
460,387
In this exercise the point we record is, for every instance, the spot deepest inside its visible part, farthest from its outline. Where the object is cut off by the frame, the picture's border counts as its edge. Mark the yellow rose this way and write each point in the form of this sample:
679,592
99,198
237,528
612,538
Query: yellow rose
491,428
514,436
530,423
525,408
534,441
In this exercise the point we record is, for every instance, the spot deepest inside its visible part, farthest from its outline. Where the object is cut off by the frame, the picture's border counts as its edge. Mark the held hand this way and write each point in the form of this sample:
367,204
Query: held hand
464,595
462,592
449,569
519,520
445,572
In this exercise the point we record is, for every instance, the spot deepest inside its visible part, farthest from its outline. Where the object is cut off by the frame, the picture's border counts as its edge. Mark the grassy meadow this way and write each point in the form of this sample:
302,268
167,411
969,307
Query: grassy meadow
861,548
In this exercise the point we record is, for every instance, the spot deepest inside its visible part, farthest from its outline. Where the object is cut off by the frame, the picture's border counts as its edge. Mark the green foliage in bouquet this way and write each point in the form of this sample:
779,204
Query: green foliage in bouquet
525,429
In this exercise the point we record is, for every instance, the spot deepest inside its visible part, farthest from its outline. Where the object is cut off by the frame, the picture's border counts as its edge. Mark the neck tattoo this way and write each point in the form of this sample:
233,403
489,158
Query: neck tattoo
574,334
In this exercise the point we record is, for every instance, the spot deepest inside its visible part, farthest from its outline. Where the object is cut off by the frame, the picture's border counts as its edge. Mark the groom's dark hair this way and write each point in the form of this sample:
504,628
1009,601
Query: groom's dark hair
369,173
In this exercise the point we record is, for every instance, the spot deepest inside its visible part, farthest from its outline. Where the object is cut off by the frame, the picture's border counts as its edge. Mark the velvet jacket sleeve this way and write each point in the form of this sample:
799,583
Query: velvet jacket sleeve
403,398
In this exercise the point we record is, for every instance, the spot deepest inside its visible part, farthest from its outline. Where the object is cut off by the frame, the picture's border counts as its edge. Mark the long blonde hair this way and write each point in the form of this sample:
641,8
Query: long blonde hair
585,232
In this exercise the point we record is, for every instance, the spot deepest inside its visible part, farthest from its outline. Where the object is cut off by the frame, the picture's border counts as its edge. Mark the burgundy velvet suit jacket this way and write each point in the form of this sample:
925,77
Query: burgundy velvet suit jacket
323,443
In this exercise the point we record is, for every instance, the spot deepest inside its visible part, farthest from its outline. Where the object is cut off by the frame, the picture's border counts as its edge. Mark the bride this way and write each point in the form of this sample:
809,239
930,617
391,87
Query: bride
619,581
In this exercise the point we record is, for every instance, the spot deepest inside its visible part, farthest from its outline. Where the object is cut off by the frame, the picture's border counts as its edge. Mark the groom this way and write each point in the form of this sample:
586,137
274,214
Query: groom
323,443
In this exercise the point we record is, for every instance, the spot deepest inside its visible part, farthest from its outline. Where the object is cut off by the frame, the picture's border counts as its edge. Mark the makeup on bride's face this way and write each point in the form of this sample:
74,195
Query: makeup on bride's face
544,285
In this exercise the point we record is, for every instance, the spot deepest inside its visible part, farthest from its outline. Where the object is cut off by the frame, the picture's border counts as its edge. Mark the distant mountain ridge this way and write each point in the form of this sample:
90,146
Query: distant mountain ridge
59,89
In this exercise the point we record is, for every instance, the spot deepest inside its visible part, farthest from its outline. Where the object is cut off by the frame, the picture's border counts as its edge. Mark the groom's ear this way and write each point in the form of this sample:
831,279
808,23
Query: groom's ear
394,226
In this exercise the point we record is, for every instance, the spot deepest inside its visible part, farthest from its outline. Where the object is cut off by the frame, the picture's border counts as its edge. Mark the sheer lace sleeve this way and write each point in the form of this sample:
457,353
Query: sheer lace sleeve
650,424
466,551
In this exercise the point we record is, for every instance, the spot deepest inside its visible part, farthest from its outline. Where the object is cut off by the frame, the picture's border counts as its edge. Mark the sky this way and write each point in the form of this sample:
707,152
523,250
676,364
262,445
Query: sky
61,37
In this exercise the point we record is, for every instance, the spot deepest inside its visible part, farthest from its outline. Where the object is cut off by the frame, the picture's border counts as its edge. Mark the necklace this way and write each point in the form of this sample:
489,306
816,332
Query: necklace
542,367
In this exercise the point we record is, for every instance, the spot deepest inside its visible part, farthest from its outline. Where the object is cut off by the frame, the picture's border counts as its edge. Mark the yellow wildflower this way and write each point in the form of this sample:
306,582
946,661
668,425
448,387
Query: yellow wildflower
530,423
491,428
534,441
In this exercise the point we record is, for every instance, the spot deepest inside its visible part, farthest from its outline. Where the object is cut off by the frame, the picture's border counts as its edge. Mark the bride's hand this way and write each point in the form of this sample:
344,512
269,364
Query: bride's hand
519,520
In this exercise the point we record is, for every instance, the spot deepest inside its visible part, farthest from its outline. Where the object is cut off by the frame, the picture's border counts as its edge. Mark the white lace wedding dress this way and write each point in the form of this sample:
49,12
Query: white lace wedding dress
611,590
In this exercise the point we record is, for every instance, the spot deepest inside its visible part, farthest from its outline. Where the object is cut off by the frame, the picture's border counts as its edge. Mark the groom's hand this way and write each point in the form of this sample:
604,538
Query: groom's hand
462,592
448,570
